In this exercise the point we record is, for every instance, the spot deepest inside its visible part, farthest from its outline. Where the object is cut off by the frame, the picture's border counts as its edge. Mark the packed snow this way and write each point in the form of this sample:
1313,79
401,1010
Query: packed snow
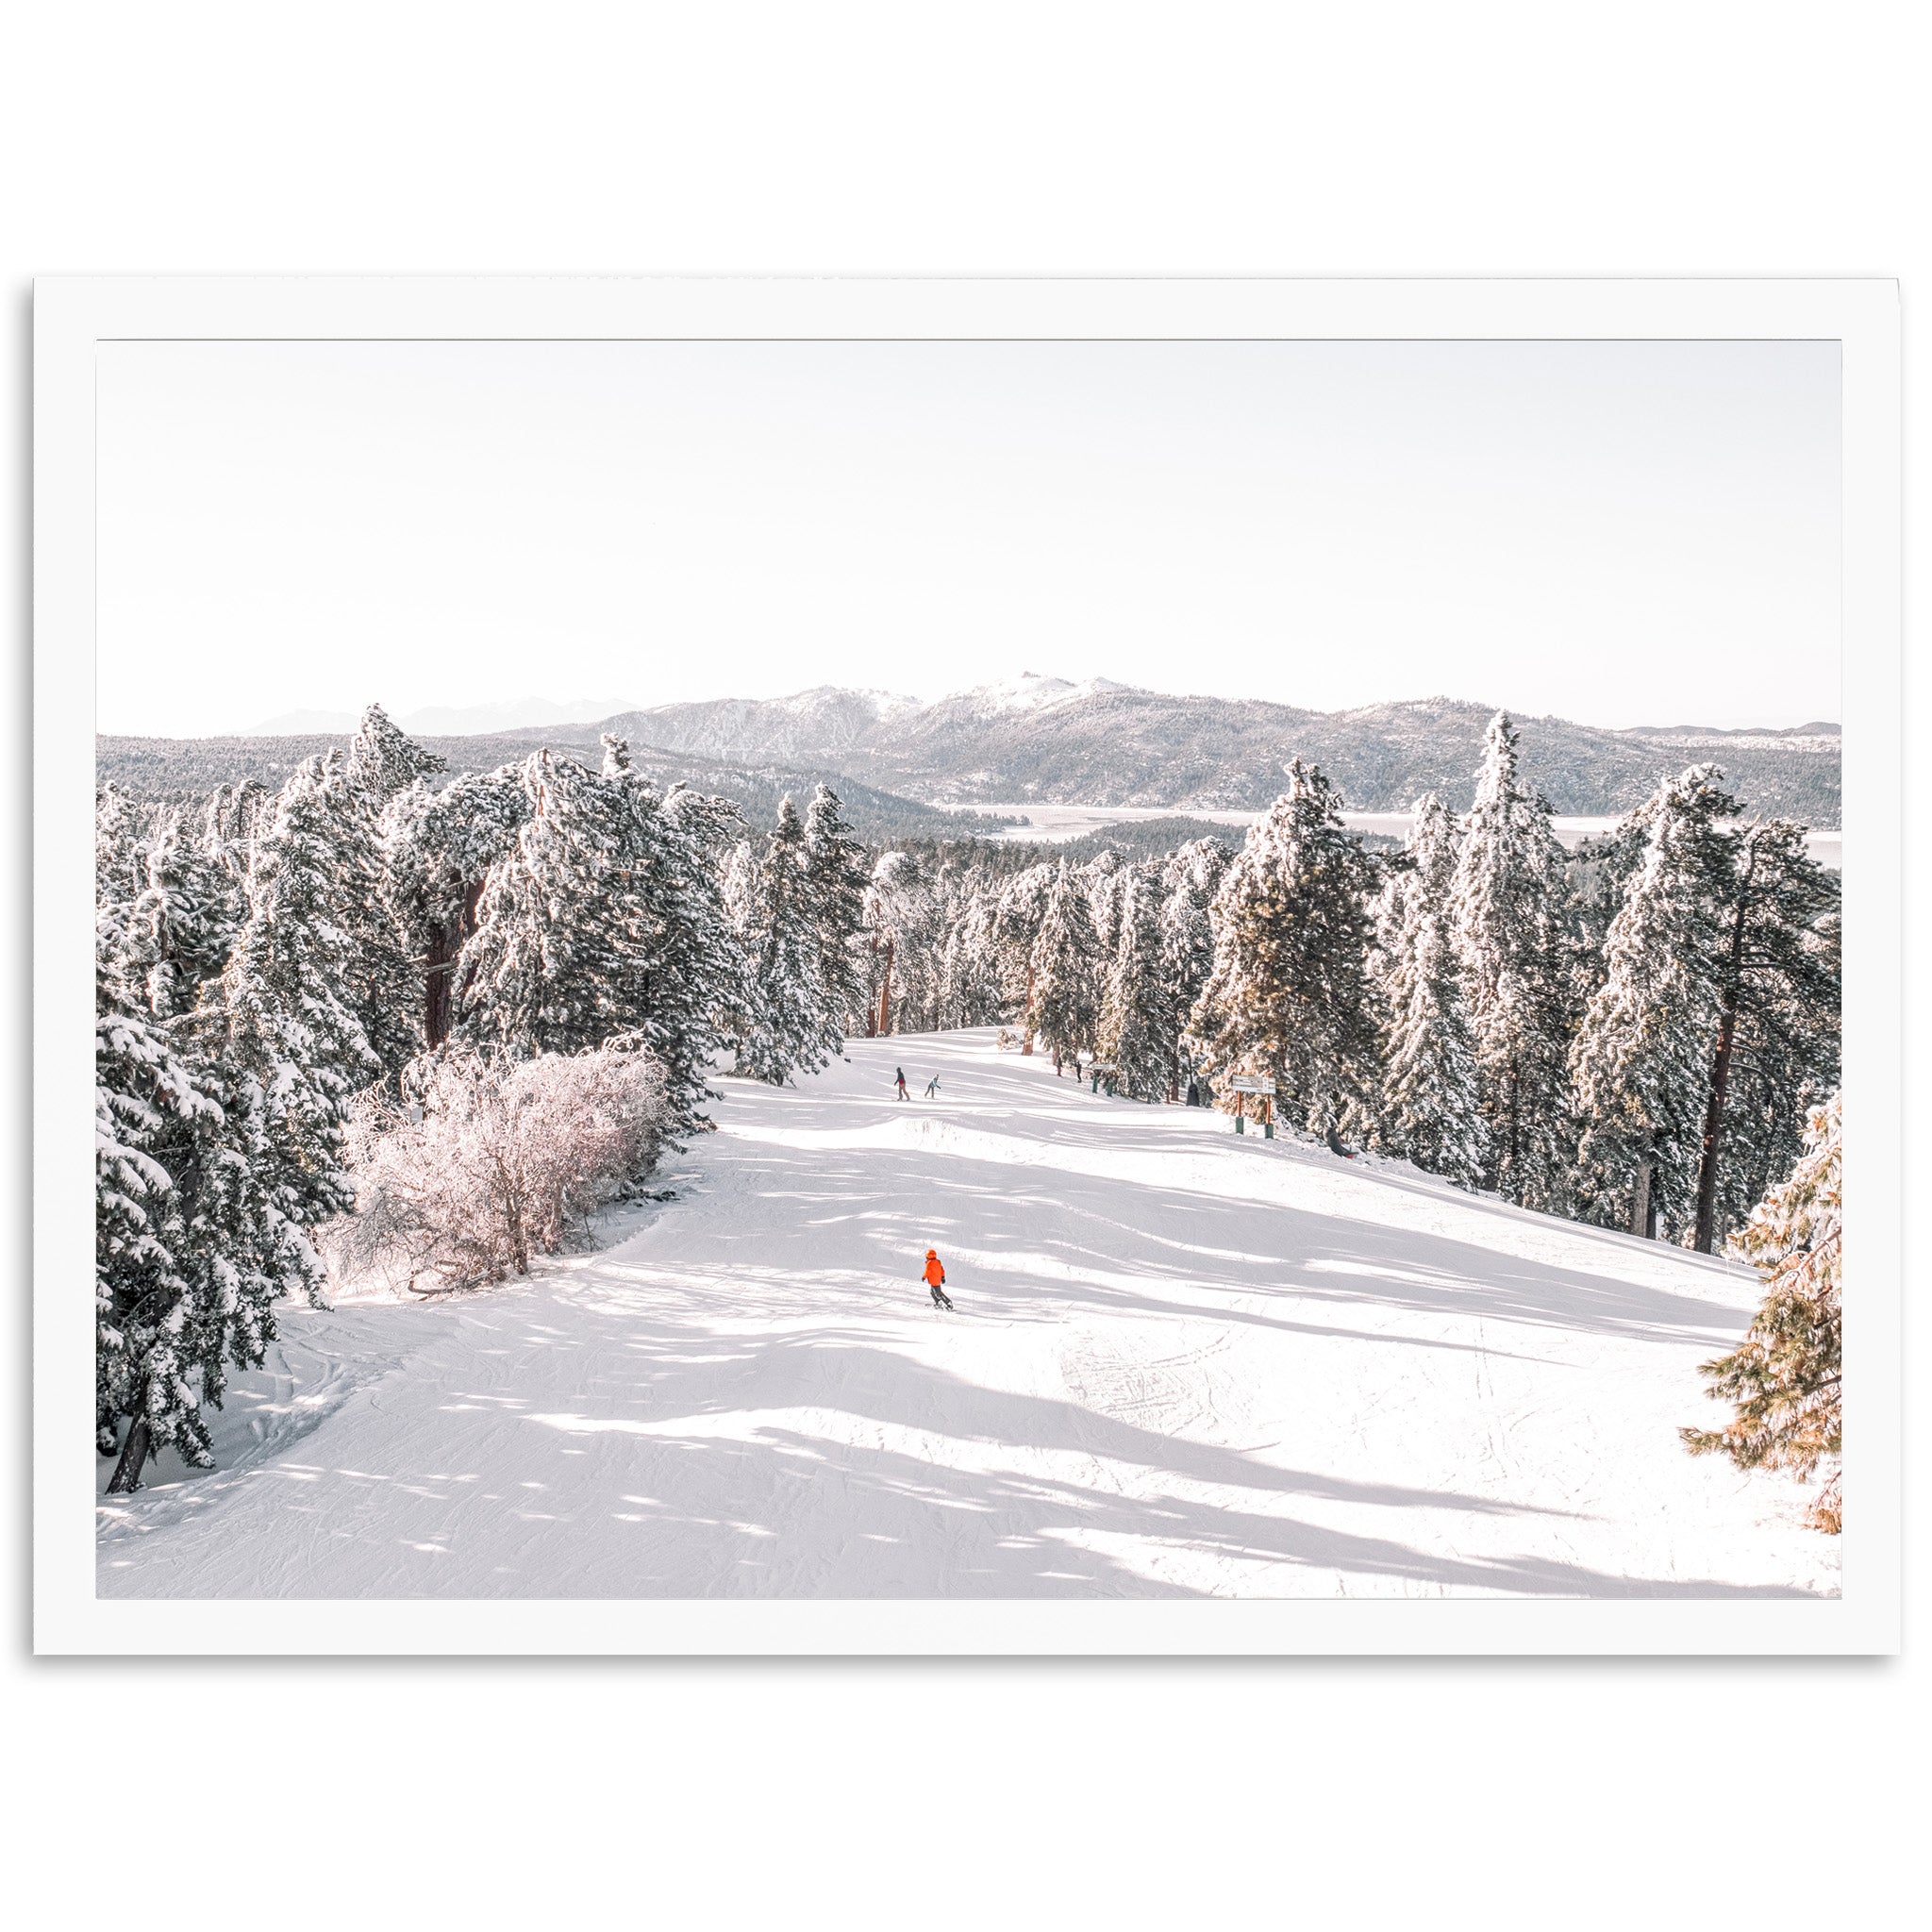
1183,1363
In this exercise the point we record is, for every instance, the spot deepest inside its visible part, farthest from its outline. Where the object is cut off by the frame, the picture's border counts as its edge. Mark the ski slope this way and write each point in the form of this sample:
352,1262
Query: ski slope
1183,1364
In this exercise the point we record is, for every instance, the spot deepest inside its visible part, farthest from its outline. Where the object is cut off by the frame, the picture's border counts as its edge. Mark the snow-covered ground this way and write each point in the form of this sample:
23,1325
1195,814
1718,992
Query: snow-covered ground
1182,1364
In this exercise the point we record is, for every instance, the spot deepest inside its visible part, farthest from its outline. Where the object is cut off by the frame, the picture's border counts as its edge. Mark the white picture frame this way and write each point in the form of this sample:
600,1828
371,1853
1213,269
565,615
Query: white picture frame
74,315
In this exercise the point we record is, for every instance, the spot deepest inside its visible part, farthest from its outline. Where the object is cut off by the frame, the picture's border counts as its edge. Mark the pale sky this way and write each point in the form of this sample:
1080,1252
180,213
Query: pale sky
1616,533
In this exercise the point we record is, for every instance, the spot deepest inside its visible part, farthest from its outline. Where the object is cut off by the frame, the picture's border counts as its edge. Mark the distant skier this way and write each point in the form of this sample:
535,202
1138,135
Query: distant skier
936,1279
899,1081
1335,1145
932,1088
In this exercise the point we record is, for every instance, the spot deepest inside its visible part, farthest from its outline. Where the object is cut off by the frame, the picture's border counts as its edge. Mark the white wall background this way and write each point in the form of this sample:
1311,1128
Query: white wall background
1681,138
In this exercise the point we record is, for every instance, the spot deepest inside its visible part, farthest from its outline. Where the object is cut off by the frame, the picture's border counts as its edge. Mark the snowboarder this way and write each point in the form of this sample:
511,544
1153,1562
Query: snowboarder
899,1080
932,1088
1334,1146
936,1279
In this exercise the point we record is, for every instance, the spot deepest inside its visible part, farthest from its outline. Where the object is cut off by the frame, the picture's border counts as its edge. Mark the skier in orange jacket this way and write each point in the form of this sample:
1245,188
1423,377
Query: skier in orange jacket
936,1279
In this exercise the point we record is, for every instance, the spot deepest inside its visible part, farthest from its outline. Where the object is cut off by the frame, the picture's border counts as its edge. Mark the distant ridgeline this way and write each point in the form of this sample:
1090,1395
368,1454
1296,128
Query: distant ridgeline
1046,740
1049,741
186,770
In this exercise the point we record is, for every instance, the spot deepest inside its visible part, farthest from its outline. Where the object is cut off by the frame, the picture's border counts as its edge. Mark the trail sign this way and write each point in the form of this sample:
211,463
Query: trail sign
1252,1083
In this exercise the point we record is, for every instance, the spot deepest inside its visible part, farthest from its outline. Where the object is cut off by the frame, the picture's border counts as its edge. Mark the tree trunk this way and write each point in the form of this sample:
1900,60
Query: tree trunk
438,966
1720,1067
1639,1200
1026,1018
127,1471
886,990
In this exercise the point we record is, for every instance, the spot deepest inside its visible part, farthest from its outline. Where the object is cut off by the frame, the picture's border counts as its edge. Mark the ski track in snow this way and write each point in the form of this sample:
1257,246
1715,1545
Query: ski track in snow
1184,1364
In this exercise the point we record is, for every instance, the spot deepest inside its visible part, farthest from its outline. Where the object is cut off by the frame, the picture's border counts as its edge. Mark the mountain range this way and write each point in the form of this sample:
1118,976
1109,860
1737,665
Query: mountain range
900,761
1047,740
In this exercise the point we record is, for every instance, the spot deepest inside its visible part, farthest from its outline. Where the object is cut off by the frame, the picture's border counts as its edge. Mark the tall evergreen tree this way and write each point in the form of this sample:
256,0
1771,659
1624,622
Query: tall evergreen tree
1785,1377
382,983
1516,958
1430,1113
790,1034
836,878
1775,967
292,1030
437,849
1641,1057
1289,995
194,1243
1137,1026
1016,922
1191,876
1065,970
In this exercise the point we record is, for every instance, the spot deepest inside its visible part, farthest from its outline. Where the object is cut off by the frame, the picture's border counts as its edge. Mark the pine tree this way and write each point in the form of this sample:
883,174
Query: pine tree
894,910
382,983
604,923
1191,878
1516,957
1136,1023
1642,1058
972,984
1775,975
1430,1113
790,1034
1289,995
1065,962
185,923
836,877
546,970
193,1246
291,1029
437,849
1016,922
1785,1377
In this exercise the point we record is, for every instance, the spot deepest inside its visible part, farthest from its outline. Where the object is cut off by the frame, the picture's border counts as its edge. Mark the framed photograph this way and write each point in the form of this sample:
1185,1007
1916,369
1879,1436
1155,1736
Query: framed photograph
1008,967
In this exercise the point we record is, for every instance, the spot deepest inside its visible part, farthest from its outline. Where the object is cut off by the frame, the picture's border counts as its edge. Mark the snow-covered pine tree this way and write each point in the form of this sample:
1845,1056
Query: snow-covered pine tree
1517,961
682,975
1643,1056
1137,1021
1017,915
1066,969
545,969
1191,878
1430,1113
291,1027
1775,972
186,921
605,922
894,910
383,983
1785,1377
836,878
193,1245
973,984
1784,1062
1104,879
1290,994
437,849
384,760
783,943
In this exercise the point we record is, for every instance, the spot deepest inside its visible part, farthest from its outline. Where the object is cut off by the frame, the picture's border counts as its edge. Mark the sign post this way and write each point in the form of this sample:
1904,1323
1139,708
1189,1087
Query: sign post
1263,1088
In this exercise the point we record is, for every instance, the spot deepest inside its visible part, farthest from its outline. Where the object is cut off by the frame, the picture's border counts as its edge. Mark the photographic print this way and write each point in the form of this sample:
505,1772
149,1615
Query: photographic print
969,970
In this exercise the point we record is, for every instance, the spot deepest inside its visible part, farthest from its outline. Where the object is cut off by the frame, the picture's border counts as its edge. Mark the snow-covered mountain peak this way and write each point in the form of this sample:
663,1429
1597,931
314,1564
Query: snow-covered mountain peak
1030,692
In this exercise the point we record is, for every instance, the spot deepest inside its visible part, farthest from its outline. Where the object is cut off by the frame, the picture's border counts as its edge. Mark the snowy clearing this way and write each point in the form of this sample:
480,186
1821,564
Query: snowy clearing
1183,1364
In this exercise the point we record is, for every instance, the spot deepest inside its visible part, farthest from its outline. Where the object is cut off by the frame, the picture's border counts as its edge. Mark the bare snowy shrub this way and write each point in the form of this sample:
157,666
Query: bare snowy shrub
485,1161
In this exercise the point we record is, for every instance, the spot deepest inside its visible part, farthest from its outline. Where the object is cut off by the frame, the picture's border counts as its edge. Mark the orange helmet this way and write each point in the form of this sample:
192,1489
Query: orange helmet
932,1254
